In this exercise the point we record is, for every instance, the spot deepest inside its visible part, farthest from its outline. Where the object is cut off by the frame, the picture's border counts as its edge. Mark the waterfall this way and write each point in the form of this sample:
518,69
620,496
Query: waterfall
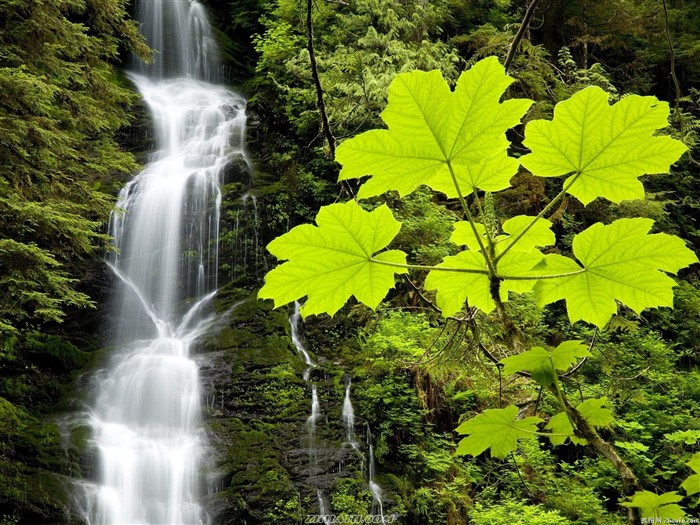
374,488
322,508
146,415
348,414
315,405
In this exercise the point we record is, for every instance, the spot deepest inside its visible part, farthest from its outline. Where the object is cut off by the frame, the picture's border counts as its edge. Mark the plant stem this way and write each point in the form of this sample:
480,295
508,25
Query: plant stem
489,263
541,214
489,236
539,277
422,267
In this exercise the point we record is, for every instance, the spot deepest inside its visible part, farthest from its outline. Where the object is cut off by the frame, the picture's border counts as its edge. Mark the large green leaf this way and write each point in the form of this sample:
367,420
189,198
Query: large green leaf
436,134
542,364
621,262
604,149
497,429
336,259
596,411
652,505
692,484
454,288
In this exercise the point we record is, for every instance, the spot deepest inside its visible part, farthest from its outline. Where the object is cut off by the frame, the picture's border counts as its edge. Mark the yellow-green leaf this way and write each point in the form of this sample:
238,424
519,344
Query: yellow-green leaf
336,259
621,262
596,411
692,484
542,364
604,149
652,505
497,429
454,288
562,429
437,136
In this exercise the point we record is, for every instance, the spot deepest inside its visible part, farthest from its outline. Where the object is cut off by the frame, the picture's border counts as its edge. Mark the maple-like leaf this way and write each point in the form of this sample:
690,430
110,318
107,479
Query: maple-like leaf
621,262
455,287
437,135
336,259
652,505
497,429
539,235
692,484
595,411
542,364
562,429
604,149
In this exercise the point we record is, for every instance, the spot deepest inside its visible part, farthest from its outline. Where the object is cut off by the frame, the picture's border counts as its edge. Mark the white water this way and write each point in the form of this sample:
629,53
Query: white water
147,412
375,489
315,407
322,507
348,414
296,340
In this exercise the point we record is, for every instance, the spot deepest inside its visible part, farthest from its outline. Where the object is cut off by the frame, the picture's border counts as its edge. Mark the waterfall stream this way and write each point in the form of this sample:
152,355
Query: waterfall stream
146,415
348,414
374,488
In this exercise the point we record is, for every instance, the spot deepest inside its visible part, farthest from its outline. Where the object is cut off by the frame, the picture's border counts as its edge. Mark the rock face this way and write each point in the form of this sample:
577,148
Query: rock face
267,466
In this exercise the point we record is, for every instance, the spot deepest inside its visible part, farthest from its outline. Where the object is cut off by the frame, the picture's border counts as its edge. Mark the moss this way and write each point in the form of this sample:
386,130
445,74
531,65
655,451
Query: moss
259,486
261,421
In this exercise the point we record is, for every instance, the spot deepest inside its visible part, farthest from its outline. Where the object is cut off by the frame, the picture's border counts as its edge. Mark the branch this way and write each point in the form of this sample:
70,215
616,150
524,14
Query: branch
583,429
325,126
521,32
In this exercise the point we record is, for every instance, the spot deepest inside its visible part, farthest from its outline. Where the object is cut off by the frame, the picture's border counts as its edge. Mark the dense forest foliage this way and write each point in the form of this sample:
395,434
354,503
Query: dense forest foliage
67,144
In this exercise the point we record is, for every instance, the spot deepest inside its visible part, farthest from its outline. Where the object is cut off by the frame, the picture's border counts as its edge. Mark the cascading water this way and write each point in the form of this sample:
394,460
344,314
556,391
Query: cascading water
374,488
146,417
315,405
348,414
296,341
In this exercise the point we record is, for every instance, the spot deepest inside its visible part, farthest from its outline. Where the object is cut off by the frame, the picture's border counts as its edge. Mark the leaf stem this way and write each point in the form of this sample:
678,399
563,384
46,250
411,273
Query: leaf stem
538,433
423,267
539,277
541,214
489,264
483,218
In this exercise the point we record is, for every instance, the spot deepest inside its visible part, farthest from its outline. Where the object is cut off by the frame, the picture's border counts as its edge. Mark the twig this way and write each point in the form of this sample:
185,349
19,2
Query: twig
325,126
521,32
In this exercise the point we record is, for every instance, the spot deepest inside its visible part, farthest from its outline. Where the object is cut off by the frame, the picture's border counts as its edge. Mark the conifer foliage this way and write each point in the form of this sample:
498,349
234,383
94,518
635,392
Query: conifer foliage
60,105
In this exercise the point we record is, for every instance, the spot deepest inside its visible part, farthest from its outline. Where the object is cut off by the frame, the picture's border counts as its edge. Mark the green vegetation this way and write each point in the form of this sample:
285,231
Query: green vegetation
454,142
62,102
519,271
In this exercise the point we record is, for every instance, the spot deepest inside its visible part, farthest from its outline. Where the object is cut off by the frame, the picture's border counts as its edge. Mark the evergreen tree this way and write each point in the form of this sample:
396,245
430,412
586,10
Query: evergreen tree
61,103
